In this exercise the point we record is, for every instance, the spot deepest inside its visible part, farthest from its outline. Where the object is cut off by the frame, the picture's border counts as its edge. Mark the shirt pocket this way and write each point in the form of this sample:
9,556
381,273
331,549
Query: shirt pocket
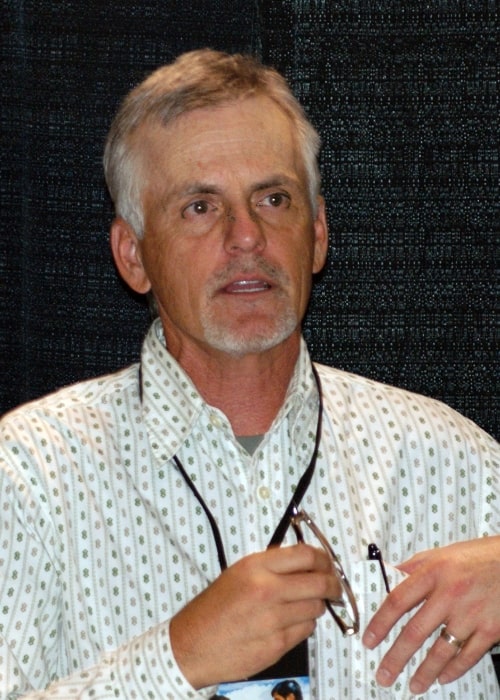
368,586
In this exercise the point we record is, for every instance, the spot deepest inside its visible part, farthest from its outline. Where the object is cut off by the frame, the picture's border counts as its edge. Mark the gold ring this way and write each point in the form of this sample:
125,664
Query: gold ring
451,639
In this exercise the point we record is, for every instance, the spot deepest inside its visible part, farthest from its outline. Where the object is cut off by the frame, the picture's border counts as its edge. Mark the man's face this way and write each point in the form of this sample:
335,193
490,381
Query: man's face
230,239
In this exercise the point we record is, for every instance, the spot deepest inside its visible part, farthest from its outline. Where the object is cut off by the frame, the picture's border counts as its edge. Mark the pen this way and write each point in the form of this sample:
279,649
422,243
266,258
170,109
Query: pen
374,553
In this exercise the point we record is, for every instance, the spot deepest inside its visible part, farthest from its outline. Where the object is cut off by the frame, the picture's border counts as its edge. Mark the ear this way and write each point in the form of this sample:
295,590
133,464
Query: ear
320,236
127,255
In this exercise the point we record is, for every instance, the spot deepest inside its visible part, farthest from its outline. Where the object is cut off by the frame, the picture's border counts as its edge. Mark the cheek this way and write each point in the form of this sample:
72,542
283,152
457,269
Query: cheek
301,274
301,258
179,281
160,259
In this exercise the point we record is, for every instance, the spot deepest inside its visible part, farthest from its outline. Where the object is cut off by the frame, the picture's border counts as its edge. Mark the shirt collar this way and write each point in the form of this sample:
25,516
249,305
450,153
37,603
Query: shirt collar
302,394
171,404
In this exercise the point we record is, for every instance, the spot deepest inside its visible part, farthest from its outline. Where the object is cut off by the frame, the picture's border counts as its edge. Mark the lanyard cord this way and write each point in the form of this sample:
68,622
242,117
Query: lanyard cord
215,530
306,477
302,487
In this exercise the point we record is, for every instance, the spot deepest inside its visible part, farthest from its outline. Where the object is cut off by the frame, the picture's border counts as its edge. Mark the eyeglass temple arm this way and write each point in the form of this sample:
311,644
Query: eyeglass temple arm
297,517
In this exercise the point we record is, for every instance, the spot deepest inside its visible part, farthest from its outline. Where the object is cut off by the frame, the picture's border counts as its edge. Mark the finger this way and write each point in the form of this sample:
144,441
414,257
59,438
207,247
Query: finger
283,640
298,557
412,637
393,662
436,660
311,586
299,612
404,597
278,576
469,655
448,664
309,573
417,560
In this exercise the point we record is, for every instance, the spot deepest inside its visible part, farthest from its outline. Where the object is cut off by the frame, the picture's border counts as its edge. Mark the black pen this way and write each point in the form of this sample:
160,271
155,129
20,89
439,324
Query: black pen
374,553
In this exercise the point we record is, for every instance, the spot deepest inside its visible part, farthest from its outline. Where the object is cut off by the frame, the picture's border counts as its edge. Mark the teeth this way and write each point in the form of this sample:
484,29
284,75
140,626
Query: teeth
247,283
248,286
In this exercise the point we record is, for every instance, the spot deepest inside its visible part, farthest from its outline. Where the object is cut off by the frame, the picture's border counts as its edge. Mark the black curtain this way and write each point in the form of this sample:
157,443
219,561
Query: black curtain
406,97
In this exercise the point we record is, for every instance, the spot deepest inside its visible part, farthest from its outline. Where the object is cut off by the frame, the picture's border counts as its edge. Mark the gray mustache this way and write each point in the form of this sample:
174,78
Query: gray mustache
255,267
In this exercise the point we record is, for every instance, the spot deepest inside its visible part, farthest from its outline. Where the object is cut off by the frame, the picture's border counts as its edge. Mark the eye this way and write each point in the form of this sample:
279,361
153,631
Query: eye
275,200
197,208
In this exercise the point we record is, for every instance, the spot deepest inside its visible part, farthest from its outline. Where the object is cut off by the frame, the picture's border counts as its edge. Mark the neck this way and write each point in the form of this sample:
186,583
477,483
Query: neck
249,390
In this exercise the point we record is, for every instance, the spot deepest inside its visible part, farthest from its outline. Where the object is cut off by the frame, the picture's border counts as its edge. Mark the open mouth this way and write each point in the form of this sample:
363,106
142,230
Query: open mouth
247,286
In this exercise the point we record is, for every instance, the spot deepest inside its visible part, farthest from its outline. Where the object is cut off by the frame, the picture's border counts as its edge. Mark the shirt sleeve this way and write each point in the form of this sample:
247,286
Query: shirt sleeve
143,668
33,646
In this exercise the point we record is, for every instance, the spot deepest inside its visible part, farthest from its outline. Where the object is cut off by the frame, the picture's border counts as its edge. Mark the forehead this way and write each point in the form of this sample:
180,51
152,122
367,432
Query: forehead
252,133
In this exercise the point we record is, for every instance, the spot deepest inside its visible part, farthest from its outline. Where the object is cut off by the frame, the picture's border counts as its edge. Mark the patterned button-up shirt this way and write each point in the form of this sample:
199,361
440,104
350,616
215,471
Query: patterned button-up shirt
102,542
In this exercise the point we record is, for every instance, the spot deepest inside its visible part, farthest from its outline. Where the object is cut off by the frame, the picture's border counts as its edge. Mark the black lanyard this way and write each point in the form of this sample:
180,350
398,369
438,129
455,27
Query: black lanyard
302,487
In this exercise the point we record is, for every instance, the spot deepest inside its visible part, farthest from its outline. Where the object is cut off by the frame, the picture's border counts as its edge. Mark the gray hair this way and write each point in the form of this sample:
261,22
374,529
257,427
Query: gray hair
197,79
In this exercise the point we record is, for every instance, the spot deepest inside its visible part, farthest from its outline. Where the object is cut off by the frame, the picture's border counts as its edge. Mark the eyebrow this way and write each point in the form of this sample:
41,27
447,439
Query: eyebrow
199,187
275,181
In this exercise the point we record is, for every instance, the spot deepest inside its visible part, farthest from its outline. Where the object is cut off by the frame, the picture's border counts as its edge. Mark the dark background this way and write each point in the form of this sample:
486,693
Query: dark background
405,95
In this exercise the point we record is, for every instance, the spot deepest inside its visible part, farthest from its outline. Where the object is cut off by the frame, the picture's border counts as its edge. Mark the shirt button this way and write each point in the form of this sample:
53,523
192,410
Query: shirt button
264,492
215,420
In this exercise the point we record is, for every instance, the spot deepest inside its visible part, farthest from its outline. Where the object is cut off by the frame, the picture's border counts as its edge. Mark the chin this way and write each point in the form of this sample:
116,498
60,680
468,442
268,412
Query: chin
248,341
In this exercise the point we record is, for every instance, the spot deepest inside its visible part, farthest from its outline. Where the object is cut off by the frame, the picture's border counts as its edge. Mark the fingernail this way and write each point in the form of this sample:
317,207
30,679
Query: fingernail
369,640
417,687
384,677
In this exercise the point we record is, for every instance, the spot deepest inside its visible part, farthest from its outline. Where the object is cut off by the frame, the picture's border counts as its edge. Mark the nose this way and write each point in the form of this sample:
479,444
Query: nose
243,231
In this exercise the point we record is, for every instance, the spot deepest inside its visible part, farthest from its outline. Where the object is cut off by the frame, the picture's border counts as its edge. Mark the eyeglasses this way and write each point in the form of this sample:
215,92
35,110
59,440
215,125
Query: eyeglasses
346,601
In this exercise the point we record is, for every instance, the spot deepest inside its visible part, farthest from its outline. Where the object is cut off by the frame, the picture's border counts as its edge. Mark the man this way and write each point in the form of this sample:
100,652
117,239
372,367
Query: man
138,508
286,690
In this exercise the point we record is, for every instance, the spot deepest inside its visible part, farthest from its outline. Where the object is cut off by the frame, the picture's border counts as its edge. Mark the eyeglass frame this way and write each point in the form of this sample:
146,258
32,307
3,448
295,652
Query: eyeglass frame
347,599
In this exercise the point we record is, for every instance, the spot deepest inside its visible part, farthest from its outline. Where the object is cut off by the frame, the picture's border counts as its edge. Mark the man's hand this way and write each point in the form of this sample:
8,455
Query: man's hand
258,609
459,587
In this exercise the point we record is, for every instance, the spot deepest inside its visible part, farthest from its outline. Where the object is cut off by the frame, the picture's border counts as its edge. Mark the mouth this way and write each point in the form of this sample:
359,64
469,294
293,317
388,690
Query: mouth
246,286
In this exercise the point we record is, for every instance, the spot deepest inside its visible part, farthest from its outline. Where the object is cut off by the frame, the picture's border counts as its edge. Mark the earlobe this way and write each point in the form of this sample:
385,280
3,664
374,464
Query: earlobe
126,251
320,236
